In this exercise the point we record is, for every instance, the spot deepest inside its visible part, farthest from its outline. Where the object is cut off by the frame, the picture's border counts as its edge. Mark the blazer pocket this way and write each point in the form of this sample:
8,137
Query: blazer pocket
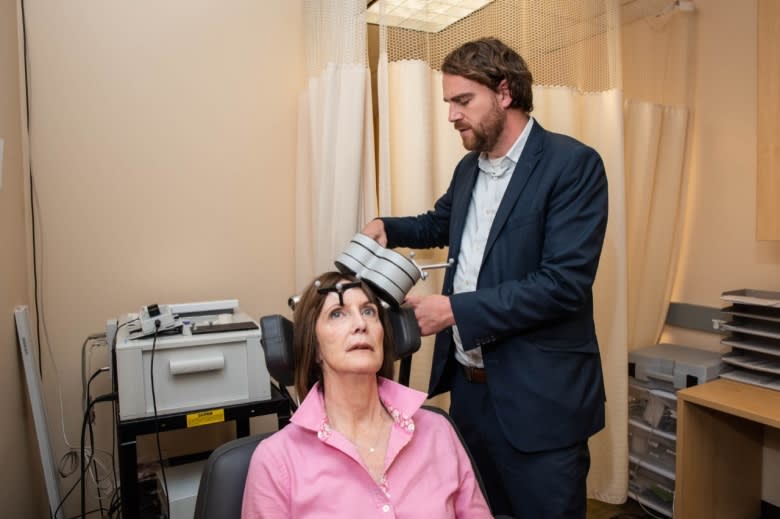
567,346
522,220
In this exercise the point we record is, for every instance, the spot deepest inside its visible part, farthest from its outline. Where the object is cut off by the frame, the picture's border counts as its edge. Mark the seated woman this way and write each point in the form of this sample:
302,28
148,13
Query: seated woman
359,445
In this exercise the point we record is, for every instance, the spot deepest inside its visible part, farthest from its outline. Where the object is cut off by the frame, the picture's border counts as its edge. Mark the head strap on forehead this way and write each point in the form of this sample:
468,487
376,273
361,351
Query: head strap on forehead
339,288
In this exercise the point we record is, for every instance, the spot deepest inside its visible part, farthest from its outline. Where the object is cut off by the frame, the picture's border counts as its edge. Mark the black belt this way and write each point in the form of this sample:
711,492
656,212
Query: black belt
475,375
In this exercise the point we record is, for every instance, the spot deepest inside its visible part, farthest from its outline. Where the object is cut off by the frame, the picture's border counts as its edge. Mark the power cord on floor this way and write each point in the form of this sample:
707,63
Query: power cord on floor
156,423
94,463
108,397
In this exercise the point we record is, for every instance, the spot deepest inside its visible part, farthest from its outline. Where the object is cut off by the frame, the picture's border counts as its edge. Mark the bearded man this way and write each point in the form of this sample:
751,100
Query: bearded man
524,218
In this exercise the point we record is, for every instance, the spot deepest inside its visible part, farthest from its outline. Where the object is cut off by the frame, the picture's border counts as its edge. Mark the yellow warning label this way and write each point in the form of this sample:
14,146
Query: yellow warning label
205,417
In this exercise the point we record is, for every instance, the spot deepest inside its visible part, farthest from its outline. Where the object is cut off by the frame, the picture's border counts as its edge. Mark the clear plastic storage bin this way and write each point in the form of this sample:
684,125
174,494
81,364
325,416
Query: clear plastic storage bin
650,449
651,490
654,408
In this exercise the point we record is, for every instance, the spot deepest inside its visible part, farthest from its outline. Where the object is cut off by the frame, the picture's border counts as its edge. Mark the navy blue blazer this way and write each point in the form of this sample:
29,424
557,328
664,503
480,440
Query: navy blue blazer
532,311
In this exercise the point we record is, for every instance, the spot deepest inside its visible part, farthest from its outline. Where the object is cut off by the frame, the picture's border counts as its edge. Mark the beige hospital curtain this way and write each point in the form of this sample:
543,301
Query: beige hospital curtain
335,172
657,85
574,51
597,120
655,152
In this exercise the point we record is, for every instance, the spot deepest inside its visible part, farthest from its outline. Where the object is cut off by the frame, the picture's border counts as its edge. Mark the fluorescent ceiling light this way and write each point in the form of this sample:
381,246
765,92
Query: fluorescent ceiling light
422,15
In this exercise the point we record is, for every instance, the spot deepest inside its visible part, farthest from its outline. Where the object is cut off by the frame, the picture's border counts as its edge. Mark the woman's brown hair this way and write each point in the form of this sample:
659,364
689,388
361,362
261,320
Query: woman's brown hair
305,343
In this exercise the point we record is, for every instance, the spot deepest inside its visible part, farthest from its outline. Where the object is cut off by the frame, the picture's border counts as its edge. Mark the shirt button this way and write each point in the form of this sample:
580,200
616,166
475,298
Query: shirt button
386,508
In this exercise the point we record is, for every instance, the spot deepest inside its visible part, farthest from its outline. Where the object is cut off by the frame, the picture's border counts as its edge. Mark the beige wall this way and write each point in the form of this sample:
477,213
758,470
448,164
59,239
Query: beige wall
720,251
163,144
163,149
718,79
21,487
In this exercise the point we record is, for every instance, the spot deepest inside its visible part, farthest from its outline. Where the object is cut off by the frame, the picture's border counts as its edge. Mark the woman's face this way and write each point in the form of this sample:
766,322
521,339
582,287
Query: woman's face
350,334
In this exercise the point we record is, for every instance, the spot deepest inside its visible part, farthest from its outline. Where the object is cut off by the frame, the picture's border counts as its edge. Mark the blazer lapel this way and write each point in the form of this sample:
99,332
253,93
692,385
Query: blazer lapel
461,198
522,173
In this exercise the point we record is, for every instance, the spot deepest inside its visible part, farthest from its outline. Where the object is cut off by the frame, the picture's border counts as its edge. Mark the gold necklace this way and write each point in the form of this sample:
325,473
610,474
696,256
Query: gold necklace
372,448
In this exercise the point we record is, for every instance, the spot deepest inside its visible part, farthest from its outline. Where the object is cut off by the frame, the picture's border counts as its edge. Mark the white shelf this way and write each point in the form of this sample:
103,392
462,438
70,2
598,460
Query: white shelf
769,330
756,378
644,386
663,394
754,361
641,462
759,344
752,297
754,312
655,504
655,431
755,341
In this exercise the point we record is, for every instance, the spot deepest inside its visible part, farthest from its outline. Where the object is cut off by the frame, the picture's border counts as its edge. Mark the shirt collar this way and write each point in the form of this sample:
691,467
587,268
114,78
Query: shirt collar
499,167
400,401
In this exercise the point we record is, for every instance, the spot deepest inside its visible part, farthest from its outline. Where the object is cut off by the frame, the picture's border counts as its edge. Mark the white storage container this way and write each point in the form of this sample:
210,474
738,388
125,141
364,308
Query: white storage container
649,449
651,490
654,408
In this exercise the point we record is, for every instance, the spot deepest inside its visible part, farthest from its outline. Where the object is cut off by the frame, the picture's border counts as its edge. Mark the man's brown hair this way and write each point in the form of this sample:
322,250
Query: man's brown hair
488,61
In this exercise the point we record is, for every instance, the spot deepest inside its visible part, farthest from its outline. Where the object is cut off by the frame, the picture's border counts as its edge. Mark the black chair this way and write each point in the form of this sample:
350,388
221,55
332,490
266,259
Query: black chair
221,490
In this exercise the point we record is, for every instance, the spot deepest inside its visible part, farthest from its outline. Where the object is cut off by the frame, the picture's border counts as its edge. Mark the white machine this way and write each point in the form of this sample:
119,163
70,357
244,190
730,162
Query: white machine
210,356
674,366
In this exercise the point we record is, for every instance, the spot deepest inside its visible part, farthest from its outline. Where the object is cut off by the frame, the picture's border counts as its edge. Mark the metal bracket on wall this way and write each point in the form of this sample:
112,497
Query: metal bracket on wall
694,317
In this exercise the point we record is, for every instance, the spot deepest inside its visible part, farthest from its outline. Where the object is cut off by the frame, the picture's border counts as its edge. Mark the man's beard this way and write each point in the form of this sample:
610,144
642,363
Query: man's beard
485,135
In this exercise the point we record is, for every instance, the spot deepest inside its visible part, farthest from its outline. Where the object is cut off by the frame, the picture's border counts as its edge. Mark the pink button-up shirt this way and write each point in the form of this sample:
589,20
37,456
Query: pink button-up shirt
308,470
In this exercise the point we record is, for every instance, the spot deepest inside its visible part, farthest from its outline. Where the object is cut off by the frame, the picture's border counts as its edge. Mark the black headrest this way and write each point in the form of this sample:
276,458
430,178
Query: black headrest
277,340
406,331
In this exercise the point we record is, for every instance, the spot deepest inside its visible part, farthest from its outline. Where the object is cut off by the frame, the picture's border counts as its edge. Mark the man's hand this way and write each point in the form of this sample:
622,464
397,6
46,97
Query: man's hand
375,229
433,313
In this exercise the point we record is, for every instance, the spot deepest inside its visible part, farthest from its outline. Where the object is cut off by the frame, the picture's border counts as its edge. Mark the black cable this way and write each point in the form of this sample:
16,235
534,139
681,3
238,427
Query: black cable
96,510
92,439
32,190
26,66
112,346
94,465
117,502
88,340
286,394
62,501
92,377
108,397
113,506
89,462
113,461
156,423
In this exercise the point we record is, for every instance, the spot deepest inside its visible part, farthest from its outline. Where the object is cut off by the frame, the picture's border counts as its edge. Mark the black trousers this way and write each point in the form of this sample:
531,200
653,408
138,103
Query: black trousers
534,485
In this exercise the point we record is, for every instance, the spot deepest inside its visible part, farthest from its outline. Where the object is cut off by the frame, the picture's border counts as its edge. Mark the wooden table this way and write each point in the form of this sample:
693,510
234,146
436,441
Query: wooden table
720,436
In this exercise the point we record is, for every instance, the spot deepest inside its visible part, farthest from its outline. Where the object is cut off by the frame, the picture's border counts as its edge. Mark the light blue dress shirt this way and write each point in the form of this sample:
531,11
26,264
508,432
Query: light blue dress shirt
492,181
